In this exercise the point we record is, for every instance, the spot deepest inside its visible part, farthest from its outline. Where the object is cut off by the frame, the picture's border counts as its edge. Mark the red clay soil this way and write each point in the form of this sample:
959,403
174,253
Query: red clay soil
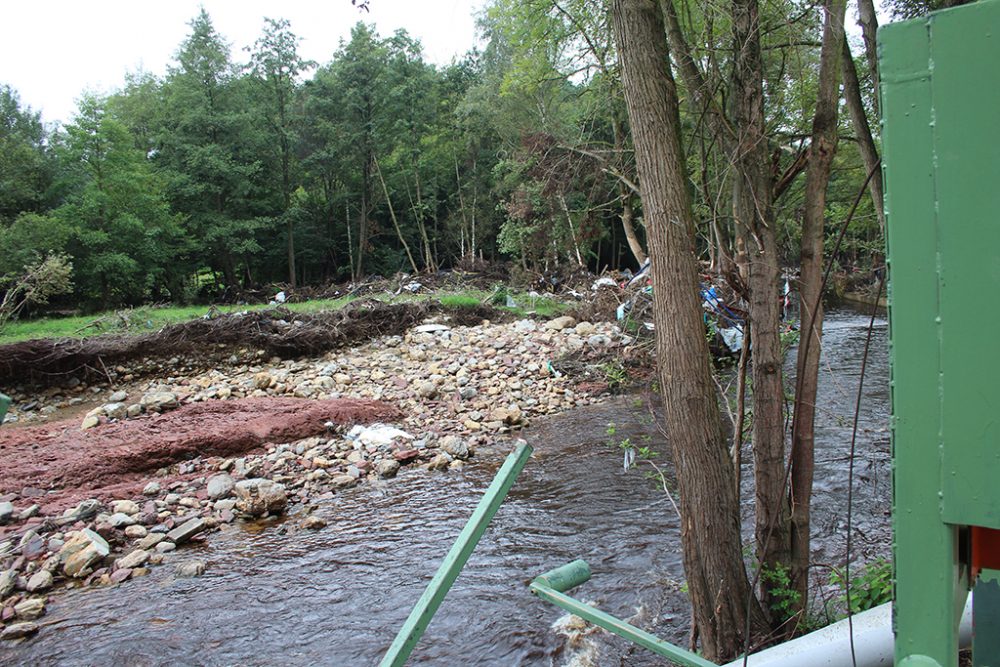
56,465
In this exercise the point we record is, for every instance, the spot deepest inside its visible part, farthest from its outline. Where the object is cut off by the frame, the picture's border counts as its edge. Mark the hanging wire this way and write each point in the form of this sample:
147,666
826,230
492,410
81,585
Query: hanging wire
850,465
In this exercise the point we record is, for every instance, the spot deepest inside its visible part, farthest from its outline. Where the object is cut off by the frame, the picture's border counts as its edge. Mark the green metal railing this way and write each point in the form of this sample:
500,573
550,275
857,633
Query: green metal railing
552,586
453,563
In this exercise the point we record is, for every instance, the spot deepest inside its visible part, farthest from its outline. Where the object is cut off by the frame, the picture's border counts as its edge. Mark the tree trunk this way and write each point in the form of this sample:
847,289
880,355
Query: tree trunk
866,144
710,530
627,214
752,192
868,20
395,222
821,152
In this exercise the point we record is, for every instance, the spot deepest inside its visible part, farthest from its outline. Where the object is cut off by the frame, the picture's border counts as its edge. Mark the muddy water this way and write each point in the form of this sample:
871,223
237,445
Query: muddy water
273,595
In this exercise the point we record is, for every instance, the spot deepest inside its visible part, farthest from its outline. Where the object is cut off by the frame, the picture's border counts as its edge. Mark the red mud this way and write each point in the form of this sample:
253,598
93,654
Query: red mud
57,465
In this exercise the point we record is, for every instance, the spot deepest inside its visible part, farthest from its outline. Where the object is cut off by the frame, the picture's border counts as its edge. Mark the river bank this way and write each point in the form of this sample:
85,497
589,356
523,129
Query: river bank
82,511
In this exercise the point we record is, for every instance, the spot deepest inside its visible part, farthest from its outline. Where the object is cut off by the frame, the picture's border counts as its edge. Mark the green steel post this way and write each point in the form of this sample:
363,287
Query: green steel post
550,587
4,404
986,612
453,563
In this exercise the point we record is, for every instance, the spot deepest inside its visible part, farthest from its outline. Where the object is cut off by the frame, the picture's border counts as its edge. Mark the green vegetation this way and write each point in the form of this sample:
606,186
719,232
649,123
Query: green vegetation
871,585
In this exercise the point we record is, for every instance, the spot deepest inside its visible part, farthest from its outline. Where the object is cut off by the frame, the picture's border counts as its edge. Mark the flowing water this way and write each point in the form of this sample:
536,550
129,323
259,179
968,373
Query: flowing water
275,596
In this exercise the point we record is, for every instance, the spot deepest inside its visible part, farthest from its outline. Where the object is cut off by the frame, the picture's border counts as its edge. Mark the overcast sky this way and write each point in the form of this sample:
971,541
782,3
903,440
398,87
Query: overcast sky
53,50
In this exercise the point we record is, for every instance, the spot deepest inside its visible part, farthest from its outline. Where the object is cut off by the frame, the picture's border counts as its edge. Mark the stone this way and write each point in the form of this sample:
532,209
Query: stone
151,489
427,390
158,401
439,462
137,558
343,481
467,393
135,531
120,520
224,505
114,410
560,323
220,486
81,553
90,422
193,568
118,397
599,340
6,511
165,547
125,507
257,497
585,329
39,581
18,630
262,380
387,467
8,579
133,410
406,455
30,512
454,446
30,609
186,531
118,576
150,541
313,522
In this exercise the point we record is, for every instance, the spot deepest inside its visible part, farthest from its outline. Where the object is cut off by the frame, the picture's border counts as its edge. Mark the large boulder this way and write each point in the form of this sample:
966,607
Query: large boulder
257,497
220,486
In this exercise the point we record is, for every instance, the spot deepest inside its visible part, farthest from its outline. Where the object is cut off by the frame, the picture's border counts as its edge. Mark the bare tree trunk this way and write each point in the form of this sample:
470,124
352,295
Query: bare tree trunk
627,214
395,222
710,529
866,143
752,192
868,20
821,152
291,249
572,229
350,245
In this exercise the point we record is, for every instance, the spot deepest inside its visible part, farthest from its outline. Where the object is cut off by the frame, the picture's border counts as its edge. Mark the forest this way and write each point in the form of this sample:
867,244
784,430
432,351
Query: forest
226,175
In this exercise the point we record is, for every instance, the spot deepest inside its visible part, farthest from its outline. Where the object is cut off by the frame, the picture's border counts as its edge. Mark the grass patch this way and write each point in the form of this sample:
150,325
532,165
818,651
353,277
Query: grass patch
152,318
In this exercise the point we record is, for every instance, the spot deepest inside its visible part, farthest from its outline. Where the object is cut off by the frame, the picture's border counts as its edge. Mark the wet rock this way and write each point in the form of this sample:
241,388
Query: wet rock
165,547
39,581
82,552
18,630
387,468
30,609
343,481
186,531
220,486
313,522
118,576
135,559
6,511
256,497
193,568
454,446
406,455
439,462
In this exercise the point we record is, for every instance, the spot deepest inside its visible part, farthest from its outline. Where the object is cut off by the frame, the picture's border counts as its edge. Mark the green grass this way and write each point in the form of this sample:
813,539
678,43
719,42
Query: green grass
152,318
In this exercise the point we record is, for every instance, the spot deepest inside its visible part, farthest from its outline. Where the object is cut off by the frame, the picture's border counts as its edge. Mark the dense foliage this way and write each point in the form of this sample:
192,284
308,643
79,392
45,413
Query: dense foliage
222,176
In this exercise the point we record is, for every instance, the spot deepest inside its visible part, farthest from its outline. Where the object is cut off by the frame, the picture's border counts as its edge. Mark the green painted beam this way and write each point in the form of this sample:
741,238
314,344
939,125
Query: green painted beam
616,625
409,635
4,404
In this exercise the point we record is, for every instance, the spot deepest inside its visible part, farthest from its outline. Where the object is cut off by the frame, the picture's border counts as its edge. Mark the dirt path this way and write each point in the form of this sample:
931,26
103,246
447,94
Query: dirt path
66,465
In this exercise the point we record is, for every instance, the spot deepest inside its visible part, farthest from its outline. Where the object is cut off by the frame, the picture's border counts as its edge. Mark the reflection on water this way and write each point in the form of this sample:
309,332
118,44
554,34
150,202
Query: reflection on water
337,596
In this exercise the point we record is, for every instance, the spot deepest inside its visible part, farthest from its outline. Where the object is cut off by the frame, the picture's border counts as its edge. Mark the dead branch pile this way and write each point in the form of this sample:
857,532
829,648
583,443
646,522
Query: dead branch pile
277,331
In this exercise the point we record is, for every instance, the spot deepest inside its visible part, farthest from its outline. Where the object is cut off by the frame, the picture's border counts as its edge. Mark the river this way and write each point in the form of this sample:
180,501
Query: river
273,594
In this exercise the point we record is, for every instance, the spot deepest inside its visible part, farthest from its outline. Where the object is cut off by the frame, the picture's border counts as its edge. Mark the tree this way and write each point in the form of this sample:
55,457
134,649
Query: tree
710,531
25,165
276,66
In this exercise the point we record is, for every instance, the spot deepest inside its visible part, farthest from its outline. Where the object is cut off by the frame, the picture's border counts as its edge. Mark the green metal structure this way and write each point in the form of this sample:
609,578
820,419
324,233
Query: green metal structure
940,88
4,404
408,636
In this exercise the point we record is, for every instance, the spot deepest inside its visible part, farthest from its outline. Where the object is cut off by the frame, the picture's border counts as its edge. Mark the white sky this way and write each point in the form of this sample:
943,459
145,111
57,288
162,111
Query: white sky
53,50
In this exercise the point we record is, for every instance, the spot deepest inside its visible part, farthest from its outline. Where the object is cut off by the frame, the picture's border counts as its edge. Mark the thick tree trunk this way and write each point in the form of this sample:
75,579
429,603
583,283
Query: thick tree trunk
752,191
821,152
710,529
863,131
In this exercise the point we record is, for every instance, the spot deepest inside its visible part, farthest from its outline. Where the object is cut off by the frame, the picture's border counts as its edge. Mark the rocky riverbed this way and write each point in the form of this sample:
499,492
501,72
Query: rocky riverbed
438,391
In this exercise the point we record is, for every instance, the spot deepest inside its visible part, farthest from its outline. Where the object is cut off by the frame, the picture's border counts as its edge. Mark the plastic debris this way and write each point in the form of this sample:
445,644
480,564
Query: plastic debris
376,435
280,297
733,338
603,282
431,328
413,287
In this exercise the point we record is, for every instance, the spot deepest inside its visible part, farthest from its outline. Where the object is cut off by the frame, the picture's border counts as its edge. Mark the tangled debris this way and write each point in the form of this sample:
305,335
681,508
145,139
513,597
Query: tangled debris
278,332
